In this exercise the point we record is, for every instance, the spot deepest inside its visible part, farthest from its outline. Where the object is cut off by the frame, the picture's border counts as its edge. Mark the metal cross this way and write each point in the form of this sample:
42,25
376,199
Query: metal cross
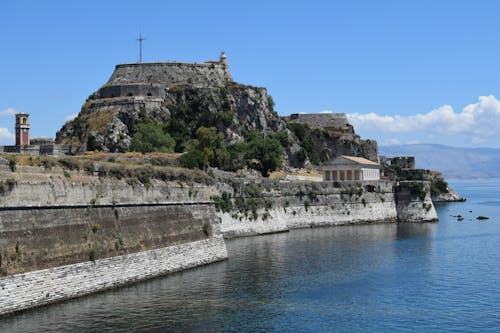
140,39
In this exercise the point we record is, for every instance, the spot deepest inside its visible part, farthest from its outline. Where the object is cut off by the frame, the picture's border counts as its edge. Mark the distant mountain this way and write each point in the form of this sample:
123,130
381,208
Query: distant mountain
454,162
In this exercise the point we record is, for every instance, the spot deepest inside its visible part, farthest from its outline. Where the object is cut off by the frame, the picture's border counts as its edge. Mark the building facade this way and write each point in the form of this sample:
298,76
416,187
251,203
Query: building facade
351,168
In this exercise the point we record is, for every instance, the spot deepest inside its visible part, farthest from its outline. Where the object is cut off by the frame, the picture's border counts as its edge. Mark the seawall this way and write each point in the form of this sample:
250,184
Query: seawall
28,290
76,234
270,207
64,234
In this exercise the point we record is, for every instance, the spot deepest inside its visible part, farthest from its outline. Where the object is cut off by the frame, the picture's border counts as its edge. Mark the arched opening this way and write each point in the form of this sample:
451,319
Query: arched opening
129,95
370,188
149,94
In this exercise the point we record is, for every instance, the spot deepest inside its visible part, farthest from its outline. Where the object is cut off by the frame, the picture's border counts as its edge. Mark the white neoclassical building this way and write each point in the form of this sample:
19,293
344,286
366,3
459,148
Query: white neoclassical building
351,168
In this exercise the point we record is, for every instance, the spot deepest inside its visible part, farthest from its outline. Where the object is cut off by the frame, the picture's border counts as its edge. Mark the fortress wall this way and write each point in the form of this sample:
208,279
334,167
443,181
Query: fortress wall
285,206
414,203
23,291
214,74
295,205
50,236
132,90
66,237
323,120
34,187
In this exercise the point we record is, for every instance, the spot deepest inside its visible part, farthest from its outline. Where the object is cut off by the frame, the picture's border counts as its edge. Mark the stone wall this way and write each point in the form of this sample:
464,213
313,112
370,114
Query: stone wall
38,150
199,75
23,291
285,206
403,162
65,233
414,203
320,120
131,90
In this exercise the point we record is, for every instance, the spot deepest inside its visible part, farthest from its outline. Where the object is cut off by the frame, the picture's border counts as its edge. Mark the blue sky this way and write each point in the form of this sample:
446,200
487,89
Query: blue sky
404,71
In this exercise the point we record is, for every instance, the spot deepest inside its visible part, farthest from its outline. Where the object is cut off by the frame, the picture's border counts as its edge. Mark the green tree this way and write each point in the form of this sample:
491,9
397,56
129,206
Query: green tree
150,136
266,151
208,149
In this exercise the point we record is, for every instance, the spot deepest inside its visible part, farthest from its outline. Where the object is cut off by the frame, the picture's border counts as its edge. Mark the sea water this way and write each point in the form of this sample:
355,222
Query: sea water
429,277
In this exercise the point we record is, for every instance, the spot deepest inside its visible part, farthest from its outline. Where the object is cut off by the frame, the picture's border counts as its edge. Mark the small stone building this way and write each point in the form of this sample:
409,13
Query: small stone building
351,168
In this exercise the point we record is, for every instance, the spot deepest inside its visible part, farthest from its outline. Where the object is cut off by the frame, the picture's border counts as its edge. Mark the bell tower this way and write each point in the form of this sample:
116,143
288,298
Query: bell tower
22,129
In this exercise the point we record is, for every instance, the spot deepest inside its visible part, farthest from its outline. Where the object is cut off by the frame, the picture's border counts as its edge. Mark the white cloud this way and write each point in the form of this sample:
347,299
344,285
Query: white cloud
326,111
477,121
8,112
476,140
392,141
71,117
6,138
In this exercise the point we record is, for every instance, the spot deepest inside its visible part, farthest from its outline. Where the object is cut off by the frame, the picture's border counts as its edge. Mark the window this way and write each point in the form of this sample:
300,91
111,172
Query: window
25,130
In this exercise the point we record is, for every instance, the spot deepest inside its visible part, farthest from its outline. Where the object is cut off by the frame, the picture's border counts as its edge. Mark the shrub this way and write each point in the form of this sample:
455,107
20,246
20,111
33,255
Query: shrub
92,255
206,229
89,167
7,185
12,164
95,227
69,163
438,186
270,102
223,203
149,136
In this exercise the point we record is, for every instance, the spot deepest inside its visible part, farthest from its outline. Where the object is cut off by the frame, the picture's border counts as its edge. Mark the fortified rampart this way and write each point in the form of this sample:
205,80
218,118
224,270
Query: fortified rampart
166,74
272,206
67,233
321,120
38,150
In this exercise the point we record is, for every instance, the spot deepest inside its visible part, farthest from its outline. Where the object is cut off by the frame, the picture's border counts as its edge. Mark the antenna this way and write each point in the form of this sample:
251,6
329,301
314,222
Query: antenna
140,39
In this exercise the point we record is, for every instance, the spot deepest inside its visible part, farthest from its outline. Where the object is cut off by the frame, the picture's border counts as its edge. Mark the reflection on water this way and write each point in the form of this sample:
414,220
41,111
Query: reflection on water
410,230
382,277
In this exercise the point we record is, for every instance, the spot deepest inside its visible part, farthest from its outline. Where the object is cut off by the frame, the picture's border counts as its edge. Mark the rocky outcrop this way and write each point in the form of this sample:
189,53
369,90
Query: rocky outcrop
449,196
186,96
183,96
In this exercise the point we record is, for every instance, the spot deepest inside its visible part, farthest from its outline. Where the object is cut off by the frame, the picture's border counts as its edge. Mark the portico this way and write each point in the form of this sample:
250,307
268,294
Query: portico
351,168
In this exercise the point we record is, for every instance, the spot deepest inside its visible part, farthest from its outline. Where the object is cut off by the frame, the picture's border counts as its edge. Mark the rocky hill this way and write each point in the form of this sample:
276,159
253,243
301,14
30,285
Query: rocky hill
183,97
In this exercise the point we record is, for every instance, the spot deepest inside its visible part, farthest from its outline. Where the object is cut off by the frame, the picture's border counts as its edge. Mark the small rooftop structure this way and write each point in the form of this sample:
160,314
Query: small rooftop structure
351,168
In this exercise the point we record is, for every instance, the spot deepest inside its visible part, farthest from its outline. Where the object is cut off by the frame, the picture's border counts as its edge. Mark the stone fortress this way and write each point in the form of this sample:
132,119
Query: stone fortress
333,121
150,79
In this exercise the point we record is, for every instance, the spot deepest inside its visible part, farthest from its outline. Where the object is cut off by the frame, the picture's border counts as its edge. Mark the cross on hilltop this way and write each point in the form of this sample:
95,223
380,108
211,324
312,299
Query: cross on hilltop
140,39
